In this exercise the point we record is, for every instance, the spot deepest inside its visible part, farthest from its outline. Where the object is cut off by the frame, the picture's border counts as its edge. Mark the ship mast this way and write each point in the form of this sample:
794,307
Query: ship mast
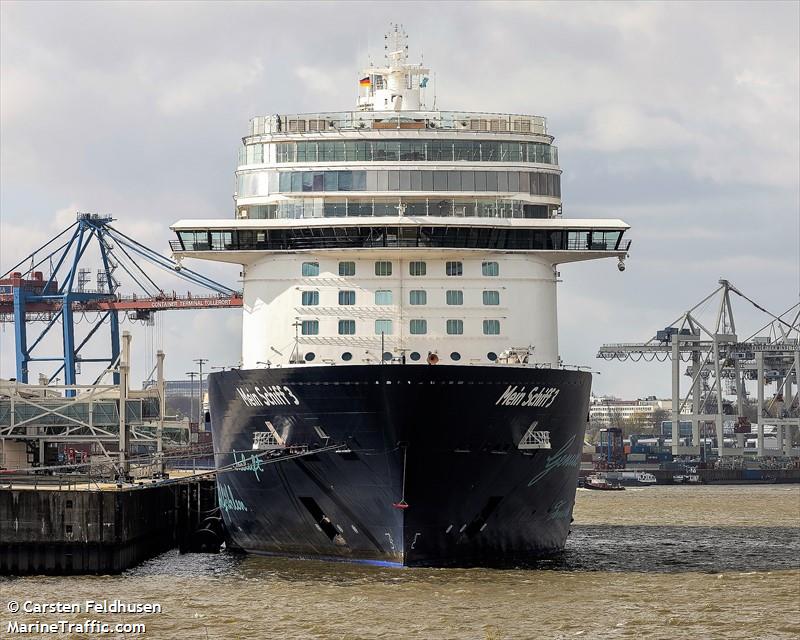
397,86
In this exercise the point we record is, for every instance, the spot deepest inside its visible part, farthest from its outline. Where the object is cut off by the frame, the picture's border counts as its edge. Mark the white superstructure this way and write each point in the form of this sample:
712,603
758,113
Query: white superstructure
392,232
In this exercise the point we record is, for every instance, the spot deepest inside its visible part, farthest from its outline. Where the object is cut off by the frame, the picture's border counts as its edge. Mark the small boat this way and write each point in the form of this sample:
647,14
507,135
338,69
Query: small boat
601,483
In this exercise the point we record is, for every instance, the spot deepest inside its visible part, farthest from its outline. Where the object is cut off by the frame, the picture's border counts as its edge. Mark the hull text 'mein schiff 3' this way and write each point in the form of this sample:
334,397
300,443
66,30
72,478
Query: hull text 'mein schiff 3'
401,398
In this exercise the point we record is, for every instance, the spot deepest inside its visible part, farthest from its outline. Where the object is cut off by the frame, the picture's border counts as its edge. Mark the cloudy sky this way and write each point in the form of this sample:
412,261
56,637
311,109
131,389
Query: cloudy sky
681,118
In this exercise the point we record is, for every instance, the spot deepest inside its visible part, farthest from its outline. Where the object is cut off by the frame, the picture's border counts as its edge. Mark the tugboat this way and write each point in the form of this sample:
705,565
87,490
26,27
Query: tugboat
598,482
401,397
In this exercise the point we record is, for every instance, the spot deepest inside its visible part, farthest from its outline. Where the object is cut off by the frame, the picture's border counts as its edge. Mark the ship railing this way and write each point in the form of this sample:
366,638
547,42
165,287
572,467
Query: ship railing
482,122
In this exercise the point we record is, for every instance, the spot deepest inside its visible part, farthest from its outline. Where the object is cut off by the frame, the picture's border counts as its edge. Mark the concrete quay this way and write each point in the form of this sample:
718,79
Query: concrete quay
91,529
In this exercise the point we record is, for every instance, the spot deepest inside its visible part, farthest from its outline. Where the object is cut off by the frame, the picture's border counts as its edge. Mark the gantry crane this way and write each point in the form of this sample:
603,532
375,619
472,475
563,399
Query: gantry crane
769,356
28,295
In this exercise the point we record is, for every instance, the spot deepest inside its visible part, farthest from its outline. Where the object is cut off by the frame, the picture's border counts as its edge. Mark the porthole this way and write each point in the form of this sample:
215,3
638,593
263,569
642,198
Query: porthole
347,356
491,356
456,356
414,355
310,356
387,355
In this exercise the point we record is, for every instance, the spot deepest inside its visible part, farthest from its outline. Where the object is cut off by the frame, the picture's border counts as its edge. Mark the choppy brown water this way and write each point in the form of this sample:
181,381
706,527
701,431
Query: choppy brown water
658,562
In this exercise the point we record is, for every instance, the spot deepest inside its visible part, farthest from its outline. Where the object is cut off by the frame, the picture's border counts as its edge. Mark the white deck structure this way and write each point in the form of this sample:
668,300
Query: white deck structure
396,232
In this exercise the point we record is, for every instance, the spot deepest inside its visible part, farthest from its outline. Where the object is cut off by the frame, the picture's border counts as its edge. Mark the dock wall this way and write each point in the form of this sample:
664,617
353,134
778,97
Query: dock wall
102,531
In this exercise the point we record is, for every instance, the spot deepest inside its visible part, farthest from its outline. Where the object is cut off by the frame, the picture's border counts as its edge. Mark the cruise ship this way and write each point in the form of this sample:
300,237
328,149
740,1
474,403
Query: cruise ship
401,397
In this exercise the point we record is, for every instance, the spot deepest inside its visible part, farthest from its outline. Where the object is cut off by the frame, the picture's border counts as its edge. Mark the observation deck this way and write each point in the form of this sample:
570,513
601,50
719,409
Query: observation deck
291,125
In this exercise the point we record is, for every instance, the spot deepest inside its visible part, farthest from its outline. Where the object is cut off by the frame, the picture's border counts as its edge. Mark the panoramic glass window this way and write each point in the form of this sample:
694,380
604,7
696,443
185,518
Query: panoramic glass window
453,268
383,326
491,297
418,326
417,296
383,268
454,297
311,268
309,327
491,327
310,298
347,297
490,269
347,327
347,268
416,268
403,150
455,327
383,296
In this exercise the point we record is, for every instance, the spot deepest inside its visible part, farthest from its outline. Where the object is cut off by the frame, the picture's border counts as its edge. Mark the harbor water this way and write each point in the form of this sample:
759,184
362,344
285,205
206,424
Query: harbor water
656,562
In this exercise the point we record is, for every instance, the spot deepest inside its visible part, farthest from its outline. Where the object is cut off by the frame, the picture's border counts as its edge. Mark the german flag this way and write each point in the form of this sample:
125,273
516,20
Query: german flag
365,82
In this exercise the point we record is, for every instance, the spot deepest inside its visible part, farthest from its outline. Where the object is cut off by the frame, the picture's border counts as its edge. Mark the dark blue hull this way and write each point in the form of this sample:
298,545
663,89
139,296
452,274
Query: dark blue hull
408,464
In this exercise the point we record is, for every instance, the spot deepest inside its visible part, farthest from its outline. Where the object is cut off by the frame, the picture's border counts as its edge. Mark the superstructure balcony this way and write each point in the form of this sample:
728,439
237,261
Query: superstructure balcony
363,121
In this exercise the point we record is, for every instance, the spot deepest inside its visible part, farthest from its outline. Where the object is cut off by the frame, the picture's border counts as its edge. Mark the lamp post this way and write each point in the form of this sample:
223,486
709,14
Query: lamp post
191,375
200,415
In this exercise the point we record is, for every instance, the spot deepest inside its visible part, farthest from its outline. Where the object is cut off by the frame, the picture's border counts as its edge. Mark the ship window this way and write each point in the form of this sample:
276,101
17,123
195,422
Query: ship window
454,268
491,180
347,268
455,356
455,327
491,297
394,181
418,327
347,327
416,180
502,181
310,298
383,181
417,268
490,269
578,240
310,356
491,327
468,181
331,182
347,297
383,326
492,356
347,356
407,150
405,181
427,180
383,268
383,296
345,181
440,181
454,181
480,181
309,327
387,355
297,181
415,356
417,297
454,297
311,268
